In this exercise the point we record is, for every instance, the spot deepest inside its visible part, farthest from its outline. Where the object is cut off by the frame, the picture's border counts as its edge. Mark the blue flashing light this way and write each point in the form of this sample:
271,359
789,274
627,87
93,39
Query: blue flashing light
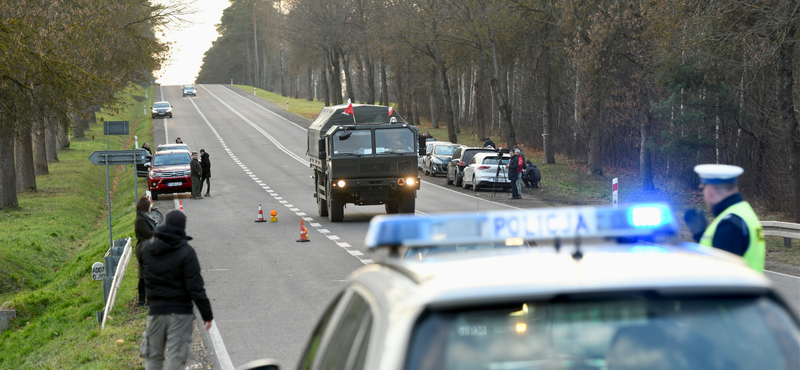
644,220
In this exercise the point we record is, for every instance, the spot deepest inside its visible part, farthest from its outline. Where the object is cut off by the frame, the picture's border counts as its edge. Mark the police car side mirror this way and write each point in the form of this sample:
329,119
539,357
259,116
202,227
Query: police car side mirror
263,364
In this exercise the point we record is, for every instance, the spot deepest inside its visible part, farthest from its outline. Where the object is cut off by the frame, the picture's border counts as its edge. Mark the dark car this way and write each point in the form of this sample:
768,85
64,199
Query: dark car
161,109
461,158
437,156
170,173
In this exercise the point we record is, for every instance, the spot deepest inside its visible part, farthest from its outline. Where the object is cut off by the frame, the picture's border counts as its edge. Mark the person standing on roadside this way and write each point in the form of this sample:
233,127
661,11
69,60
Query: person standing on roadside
736,228
513,174
520,168
147,148
173,282
178,141
205,164
143,227
196,173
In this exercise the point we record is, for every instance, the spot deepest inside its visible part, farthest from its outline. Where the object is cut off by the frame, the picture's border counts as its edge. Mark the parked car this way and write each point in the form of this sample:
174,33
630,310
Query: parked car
189,90
437,157
170,173
165,147
461,157
161,109
483,170
588,296
421,159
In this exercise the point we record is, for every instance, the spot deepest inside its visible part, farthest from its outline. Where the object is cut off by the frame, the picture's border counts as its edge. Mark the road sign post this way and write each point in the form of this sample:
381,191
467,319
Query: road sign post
117,157
615,197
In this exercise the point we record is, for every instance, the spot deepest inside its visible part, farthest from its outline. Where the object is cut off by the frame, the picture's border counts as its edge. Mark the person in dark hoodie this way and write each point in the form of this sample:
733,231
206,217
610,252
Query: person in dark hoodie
143,227
205,163
172,281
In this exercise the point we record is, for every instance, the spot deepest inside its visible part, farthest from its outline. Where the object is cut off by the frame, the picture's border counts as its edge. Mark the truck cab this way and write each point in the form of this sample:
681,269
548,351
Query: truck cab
371,160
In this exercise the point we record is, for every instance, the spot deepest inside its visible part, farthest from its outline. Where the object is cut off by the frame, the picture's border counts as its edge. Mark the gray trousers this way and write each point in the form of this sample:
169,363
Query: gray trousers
196,186
167,332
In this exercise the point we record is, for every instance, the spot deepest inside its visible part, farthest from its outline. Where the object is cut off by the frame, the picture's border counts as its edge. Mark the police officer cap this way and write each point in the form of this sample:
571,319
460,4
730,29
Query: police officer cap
718,173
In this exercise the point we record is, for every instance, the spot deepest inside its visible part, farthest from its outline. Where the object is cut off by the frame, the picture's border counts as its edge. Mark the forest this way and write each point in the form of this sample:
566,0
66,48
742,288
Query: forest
60,61
654,87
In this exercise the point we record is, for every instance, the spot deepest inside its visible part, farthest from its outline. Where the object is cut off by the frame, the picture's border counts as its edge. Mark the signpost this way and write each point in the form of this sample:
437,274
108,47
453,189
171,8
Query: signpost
118,157
615,196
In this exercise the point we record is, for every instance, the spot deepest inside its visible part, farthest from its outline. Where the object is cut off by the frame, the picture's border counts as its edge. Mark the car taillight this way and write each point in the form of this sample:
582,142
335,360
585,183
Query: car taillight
462,163
484,167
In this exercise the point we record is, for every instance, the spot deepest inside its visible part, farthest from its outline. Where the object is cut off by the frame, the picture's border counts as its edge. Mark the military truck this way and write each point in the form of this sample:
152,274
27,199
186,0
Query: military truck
367,158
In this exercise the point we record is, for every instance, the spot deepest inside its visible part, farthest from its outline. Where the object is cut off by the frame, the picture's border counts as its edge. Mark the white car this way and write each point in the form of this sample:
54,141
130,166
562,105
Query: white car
483,171
588,289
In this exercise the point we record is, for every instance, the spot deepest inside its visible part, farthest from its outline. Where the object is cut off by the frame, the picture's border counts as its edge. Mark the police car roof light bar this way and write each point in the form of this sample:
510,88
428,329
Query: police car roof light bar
640,220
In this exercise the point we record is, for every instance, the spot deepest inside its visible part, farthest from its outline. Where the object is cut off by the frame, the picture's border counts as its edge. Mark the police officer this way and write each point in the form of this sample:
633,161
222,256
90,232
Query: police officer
736,227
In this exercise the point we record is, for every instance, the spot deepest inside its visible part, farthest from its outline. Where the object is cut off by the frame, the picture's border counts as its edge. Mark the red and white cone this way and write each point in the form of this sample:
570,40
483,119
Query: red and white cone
303,233
260,215
180,205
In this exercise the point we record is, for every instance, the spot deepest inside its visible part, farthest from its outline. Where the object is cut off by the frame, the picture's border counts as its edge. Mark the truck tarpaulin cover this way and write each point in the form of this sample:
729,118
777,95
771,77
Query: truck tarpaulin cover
332,116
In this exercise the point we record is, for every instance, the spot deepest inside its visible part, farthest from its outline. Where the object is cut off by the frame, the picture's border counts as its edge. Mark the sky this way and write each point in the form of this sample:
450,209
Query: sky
191,42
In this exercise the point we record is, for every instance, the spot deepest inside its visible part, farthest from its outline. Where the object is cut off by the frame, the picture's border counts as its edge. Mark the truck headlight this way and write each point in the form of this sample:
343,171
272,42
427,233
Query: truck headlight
341,183
410,181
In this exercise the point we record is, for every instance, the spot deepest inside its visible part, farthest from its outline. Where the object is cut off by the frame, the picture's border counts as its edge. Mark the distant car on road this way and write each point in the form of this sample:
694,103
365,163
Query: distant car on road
482,170
189,90
462,156
170,173
437,157
161,109
165,147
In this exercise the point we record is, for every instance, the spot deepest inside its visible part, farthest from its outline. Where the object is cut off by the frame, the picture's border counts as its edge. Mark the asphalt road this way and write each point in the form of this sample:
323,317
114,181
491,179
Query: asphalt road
267,290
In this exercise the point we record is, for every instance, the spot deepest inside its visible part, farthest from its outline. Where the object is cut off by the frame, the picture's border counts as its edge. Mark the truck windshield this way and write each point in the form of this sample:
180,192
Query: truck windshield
172,158
639,333
391,141
352,142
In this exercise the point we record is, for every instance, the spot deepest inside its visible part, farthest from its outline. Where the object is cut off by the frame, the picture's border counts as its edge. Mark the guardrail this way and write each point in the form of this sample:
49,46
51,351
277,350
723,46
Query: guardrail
118,271
787,230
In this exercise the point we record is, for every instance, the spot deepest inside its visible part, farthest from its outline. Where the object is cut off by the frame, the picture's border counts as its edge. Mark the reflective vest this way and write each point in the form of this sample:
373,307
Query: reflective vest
756,249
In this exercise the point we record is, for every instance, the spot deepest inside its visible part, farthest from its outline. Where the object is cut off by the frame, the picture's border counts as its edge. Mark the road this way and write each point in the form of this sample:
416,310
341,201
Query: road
267,290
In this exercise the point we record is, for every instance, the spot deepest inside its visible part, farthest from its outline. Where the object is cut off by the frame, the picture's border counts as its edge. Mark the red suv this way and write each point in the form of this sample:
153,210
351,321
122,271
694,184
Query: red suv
170,173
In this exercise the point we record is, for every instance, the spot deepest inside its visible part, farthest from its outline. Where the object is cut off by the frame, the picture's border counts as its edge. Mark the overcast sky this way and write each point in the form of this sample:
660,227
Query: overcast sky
191,43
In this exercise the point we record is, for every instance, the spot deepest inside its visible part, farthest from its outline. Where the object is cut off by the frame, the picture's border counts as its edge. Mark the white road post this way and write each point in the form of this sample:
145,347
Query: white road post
144,109
136,142
287,105
254,91
614,193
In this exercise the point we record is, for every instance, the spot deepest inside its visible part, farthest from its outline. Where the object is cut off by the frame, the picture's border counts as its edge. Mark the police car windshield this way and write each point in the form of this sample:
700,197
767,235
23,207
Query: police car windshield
634,333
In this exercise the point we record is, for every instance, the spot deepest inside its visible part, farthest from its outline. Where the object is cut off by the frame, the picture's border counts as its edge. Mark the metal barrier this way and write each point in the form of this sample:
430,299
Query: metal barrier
117,267
787,230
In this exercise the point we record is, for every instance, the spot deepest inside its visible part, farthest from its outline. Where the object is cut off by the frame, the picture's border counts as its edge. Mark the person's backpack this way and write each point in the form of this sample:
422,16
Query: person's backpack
537,176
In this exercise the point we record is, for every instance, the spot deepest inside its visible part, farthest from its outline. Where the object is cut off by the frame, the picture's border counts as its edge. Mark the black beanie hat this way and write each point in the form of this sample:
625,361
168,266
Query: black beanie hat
176,218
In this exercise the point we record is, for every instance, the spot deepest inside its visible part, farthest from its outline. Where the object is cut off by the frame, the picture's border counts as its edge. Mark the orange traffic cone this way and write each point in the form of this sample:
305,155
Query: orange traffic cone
180,205
260,215
303,233
274,215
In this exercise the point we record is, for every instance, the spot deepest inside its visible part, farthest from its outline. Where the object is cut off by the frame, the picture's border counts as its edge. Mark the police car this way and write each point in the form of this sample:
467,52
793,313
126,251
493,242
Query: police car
595,292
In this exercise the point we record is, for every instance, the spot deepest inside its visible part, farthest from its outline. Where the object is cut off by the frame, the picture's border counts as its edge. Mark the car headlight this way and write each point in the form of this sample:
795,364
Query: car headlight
155,174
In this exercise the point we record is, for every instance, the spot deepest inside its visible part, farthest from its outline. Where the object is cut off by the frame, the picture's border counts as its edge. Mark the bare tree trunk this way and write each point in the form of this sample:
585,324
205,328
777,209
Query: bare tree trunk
454,97
444,85
384,85
434,100
348,77
409,93
249,72
310,75
398,91
645,161
787,112
361,77
8,174
370,72
40,148
593,126
336,80
26,178
325,89
51,141
547,127
479,116
63,134
256,66
77,128
500,94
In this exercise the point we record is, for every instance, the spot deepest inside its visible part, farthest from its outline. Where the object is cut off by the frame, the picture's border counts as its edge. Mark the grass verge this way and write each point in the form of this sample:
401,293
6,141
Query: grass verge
47,247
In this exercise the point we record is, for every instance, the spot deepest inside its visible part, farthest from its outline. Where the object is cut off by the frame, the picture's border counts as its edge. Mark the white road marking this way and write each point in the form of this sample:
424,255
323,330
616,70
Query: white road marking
324,231
219,347
344,245
356,253
367,262
333,237
781,274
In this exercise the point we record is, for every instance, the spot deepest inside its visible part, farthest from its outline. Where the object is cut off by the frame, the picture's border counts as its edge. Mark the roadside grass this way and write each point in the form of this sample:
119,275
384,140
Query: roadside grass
299,107
47,248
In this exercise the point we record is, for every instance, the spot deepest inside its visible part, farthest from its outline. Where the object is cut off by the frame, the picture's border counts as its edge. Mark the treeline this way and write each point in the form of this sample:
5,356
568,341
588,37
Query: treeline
653,86
60,61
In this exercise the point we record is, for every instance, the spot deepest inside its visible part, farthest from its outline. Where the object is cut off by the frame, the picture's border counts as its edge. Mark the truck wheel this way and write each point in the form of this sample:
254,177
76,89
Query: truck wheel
322,204
335,209
154,195
407,204
392,207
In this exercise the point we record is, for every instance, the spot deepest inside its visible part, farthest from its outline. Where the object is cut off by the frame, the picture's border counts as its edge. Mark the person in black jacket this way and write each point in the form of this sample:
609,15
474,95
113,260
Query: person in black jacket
205,164
488,143
513,174
196,173
143,227
172,281
531,176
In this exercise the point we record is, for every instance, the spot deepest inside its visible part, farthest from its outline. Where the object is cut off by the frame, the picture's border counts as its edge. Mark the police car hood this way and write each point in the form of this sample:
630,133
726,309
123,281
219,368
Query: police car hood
541,274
